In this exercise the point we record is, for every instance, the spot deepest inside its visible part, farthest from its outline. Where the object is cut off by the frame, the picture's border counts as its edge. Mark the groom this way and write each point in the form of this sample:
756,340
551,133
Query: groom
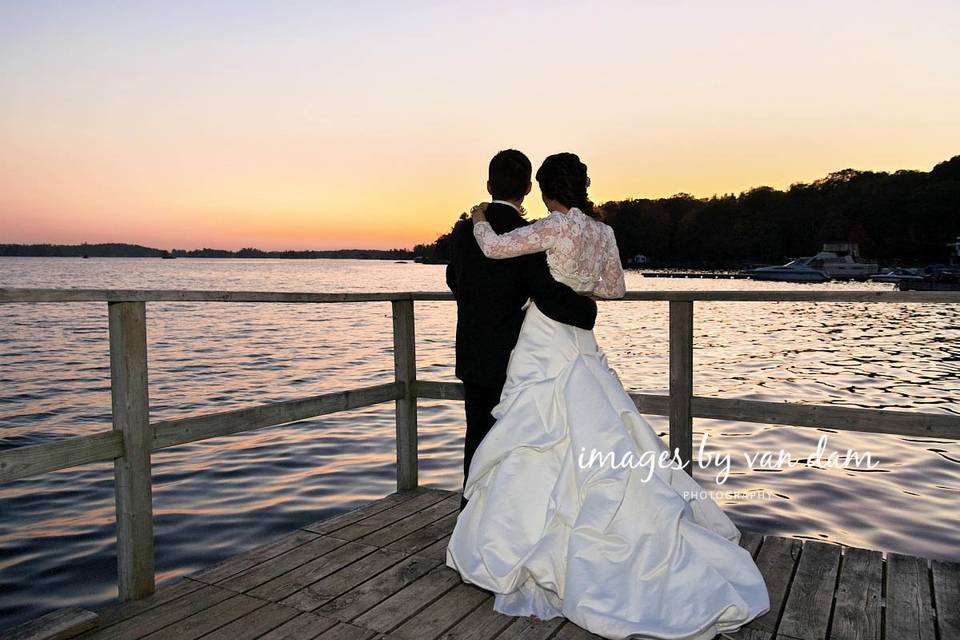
491,295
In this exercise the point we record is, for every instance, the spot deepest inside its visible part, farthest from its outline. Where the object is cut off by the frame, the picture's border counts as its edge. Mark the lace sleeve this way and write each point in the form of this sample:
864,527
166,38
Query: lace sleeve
612,284
532,238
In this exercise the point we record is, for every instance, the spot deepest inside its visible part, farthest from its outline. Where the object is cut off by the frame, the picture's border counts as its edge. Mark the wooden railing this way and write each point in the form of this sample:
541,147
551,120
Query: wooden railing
133,438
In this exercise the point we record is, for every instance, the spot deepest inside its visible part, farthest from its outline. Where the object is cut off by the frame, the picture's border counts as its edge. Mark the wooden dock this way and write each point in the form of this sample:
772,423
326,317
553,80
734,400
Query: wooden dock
379,572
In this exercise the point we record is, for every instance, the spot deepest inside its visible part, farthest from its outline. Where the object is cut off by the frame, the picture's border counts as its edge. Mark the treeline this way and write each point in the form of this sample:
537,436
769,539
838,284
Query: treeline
120,250
902,217
249,252
106,250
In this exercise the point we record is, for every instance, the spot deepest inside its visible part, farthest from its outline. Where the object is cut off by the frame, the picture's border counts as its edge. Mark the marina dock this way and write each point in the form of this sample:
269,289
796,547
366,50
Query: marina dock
378,571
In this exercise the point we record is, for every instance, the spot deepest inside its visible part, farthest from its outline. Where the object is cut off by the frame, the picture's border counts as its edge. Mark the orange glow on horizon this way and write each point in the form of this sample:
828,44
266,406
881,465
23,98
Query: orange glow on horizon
309,127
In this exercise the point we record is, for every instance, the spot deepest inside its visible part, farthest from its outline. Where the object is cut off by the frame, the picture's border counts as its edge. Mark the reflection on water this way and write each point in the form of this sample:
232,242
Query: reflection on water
216,498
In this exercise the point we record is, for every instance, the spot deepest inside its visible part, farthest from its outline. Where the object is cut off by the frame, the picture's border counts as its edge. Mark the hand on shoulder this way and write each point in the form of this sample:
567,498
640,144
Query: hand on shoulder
478,212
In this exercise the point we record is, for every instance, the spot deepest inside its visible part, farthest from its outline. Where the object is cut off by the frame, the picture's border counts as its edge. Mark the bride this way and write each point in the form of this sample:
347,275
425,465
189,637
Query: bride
620,550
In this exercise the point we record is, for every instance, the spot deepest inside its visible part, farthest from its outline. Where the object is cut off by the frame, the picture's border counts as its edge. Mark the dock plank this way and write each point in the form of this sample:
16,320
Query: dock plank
413,523
344,631
856,613
751,633
305,626
946,596
909,600
328,525
388,517
483,623
292,581
255,624
409,600
56,625
114,613
367,595
751,542
571,631
523,629
425,536
258,555
806,615
776,560
441,614
318,593
211,618
269,570
161,616
436,550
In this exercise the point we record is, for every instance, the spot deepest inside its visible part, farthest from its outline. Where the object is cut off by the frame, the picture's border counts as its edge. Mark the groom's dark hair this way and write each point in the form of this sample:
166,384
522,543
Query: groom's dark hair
509,175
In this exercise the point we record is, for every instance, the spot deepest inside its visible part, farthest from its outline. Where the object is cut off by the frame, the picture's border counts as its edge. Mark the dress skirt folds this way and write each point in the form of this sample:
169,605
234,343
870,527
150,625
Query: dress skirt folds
620,550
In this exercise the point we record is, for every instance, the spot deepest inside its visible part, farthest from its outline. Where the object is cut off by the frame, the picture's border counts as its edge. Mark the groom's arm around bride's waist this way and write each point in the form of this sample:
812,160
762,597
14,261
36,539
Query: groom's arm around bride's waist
556,300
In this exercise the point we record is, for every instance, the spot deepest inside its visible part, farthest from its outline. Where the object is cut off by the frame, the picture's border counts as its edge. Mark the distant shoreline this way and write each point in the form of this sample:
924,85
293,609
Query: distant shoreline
2,255
123,250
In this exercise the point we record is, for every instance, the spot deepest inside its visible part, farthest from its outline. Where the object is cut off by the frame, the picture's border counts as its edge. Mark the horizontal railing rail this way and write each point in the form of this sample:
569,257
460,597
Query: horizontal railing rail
134,437
169,433
838,418
176,295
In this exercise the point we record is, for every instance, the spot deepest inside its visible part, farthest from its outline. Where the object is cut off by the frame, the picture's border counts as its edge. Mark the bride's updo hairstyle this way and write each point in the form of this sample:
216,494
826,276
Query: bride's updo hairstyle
562,177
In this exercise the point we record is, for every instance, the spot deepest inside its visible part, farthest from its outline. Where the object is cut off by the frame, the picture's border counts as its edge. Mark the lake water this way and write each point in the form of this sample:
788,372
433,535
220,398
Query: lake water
216,498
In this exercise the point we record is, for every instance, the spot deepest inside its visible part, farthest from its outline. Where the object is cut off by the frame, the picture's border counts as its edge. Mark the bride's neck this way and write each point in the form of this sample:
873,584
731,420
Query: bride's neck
555,205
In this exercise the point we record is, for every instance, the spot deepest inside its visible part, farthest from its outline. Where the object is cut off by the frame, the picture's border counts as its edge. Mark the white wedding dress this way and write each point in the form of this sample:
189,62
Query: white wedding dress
620,552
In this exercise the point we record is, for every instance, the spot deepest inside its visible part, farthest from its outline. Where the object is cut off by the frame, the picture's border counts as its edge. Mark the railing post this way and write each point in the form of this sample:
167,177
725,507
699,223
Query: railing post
681,380
132,480
405,370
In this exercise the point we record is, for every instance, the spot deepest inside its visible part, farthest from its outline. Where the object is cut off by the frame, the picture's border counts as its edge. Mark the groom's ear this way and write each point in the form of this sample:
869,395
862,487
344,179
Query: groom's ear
489,190
529,187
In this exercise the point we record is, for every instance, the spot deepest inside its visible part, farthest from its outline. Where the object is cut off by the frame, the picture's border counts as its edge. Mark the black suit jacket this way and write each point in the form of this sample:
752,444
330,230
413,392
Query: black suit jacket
491,293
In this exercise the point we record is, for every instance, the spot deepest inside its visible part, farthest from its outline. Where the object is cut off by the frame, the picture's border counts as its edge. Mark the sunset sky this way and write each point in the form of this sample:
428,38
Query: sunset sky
370,124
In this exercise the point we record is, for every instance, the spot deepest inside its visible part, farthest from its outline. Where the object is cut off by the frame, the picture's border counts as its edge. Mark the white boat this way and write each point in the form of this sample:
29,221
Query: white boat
898,275
793,271
840,260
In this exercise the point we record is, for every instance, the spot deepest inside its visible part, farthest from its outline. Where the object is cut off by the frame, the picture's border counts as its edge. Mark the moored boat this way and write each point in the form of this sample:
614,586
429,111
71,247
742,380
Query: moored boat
793,271
898,275
837,260
842,261
946,279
